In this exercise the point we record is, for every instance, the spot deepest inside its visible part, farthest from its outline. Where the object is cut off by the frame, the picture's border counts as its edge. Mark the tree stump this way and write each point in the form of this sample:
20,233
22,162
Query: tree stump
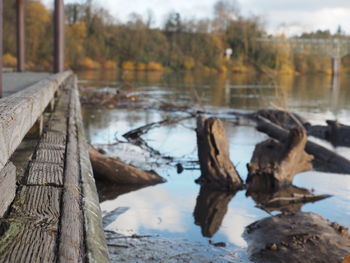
113,170
275,164
217,170
327,160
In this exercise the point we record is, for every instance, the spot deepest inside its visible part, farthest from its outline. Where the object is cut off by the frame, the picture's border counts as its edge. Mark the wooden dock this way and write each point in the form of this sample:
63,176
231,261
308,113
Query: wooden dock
49,209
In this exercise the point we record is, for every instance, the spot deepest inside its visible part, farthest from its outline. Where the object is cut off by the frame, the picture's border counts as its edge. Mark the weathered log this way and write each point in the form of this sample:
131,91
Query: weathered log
136,133
297,237
325,157
336,133
285,119
210,210
274,164
112,169
289,198
217,170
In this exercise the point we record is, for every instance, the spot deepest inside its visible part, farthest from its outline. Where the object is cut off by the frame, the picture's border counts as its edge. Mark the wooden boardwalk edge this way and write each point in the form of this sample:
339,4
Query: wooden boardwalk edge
95,243
19,112
49,208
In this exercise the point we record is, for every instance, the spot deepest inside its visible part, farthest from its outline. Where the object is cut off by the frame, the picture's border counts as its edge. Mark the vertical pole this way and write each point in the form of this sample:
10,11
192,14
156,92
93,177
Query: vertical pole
336,65
1,43
336,70
59,36
20,36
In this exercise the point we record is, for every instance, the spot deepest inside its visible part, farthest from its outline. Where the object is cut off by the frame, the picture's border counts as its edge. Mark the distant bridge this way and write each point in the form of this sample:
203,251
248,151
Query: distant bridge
336,48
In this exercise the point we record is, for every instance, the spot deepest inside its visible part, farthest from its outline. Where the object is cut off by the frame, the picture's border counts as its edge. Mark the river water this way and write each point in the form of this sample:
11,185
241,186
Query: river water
168,209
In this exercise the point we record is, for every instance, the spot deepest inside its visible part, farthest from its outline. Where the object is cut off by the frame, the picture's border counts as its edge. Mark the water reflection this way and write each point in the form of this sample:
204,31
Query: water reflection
169,209
290,198
210,210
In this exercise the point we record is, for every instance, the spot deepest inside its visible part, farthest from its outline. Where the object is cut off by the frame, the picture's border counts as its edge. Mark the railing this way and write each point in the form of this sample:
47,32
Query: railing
335,48
19,112
58,65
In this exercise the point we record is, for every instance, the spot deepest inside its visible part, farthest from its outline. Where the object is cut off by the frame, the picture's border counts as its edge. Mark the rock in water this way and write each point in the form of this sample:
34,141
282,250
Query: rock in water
297,237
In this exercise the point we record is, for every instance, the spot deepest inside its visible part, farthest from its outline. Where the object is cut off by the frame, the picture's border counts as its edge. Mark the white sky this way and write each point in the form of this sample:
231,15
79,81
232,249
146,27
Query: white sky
288,16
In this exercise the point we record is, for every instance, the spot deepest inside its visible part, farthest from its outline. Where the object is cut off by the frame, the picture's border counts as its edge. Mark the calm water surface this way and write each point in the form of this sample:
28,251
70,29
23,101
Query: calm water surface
168,209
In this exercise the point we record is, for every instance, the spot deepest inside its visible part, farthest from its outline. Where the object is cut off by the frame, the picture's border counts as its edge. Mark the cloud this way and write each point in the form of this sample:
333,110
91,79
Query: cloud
297,15
151,208
234,225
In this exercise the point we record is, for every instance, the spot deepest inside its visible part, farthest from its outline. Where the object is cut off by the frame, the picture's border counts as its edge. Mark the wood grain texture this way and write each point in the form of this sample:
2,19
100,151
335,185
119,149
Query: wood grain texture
25,241
55,138
45,174
71,239
95,241
274,164
7,187
53,155
38,204
19,112
327,158
217,170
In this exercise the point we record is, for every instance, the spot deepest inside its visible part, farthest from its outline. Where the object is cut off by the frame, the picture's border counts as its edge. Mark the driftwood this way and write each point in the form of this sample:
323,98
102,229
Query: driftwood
210,210
290,198
217,170
112,169
136,133
324,157
275,164
286,120
336,133
297,237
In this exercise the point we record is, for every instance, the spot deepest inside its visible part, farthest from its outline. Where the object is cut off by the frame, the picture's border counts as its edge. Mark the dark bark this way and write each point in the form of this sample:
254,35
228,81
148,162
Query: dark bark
284,119
217,170
336,133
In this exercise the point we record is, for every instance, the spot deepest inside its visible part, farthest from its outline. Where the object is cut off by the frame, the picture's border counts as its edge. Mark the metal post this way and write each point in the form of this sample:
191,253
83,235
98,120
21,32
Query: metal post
1,43
59,36
20,36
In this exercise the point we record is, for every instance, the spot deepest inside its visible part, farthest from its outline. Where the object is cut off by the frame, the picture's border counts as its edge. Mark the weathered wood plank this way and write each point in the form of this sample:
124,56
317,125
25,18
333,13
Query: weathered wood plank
7,187
96,246
20,111
38,203
25,242
50,154
71,246
45,174
54,138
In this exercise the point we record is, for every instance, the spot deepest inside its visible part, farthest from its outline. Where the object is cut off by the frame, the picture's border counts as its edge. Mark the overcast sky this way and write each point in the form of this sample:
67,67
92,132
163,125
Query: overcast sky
288,16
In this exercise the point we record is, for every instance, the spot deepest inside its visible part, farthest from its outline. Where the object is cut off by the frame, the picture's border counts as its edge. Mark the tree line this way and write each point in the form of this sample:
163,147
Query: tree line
95,40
